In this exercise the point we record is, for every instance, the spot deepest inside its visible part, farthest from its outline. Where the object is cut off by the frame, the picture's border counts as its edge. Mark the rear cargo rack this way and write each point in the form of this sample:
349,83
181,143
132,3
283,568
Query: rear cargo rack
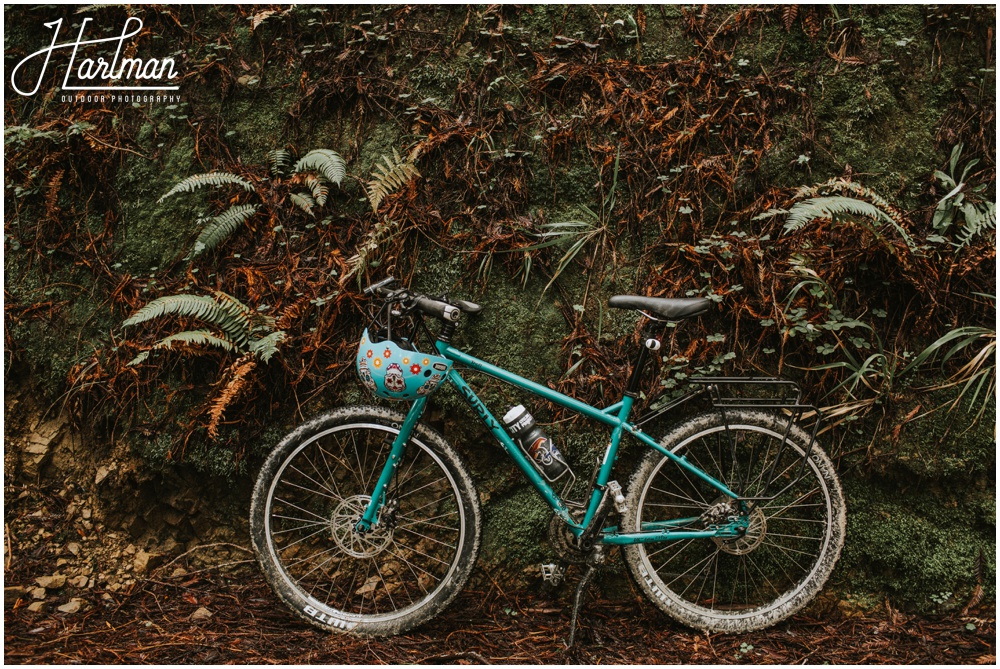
779,395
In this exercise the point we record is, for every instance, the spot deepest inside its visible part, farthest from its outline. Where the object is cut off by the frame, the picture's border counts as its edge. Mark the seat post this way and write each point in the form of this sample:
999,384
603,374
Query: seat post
650,344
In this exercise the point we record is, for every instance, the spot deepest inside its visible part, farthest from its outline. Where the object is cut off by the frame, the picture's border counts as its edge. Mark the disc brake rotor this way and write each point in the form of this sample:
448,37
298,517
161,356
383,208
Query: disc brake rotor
342,523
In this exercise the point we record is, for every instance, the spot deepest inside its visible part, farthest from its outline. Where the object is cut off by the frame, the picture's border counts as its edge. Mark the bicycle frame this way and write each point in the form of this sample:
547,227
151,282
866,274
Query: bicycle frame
615,416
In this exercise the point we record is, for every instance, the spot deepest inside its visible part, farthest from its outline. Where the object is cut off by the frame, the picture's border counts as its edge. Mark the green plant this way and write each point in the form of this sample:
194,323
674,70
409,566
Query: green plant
978,374
978,214
387,178
238,327
815,202
576,233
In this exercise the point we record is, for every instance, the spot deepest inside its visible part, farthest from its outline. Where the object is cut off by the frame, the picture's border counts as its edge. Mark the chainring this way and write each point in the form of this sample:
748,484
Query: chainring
564,543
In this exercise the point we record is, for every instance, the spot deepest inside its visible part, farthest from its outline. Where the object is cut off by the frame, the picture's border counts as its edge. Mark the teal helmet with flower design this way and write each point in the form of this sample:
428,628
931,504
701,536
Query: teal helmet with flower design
394,373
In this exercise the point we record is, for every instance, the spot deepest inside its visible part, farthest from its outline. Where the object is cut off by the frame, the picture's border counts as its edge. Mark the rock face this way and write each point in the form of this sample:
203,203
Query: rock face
144,562
40,444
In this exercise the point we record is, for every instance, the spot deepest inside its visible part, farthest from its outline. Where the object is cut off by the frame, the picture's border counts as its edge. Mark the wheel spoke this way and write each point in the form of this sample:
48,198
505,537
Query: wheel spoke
723,578
320,491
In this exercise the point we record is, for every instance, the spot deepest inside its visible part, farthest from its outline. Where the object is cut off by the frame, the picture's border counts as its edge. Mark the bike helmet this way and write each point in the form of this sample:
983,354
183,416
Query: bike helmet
394,373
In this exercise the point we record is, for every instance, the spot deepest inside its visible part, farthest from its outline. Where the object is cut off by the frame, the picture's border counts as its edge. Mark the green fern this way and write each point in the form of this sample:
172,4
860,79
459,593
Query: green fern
196,181
319,191
221,227
305,202
188,338
380,232
221,312
325,161
838,208
279,160
979,217
265,347
834,207
387,178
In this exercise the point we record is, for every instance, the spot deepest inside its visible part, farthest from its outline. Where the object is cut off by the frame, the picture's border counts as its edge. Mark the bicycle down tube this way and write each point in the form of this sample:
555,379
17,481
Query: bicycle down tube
615,416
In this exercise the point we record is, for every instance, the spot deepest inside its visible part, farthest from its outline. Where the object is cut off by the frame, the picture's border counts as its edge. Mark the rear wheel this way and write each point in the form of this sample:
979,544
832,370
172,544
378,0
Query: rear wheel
311,492
790,545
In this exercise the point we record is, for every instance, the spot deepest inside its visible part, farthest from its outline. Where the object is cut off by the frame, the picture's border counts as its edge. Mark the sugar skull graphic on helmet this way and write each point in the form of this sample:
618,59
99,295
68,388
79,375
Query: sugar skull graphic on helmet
394,373
394,378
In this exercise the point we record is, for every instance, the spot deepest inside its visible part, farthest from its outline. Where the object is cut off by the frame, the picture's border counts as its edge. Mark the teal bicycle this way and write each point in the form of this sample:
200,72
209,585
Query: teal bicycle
366,520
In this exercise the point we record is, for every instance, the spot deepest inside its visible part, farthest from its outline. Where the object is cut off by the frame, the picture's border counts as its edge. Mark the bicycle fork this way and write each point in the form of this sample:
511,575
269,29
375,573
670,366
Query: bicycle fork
396,453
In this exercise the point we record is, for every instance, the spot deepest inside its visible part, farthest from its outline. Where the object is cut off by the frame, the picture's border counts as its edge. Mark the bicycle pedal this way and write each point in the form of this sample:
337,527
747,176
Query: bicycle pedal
615,491
552,574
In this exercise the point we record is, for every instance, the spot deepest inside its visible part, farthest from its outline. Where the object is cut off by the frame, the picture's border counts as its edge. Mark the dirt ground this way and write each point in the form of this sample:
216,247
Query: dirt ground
77,594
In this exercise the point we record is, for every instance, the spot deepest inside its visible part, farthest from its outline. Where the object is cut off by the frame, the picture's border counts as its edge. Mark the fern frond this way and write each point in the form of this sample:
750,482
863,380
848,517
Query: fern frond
196,181
304,202
220,227
325,161
392,176
279,160
837,208
267,346
978,219
234,386
195,338
139,359
833,207
231,320
319,191
381,231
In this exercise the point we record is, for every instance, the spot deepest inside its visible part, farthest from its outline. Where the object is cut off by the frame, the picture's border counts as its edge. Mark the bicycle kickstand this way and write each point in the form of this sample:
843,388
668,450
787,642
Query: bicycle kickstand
577,600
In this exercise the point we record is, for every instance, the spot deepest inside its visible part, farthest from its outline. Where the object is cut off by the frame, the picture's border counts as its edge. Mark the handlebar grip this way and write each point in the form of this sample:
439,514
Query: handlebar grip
438,309
377,287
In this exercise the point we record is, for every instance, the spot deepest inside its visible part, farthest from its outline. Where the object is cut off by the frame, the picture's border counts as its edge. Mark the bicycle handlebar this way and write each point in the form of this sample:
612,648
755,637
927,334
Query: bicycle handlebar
427,305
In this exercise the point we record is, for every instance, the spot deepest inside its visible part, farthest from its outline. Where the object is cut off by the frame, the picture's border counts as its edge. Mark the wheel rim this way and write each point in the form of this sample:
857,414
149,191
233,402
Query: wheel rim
786,539
315,499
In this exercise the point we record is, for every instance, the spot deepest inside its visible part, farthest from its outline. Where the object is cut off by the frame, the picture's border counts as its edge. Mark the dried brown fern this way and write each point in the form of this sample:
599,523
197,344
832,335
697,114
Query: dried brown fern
52,194
788,14
235,381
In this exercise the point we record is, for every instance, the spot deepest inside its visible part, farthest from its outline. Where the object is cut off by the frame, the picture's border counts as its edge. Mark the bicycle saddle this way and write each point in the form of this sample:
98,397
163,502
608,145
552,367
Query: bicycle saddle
671,309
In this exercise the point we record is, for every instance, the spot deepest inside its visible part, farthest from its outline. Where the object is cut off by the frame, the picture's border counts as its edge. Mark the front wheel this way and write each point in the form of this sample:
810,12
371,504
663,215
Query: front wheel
790,543
313,489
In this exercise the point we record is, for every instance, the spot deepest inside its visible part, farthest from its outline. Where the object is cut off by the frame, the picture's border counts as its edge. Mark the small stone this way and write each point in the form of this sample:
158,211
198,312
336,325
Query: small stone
73,548
177,573
79,582
102,473
86,513
72,606
87,525
201,614
130,550
12,594
61,561
144,561
106,597
53,582
38,593
38,607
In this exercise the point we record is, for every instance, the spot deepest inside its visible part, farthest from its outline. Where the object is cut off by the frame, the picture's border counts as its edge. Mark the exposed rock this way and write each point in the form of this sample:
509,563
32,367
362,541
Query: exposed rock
53,582
144,561
178,572
38,607
201,614
12,594
78,581
102,473
72,606
38,448
73,548
38,593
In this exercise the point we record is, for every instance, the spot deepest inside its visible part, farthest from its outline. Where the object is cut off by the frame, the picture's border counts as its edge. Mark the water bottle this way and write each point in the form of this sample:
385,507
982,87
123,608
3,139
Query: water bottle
536,445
